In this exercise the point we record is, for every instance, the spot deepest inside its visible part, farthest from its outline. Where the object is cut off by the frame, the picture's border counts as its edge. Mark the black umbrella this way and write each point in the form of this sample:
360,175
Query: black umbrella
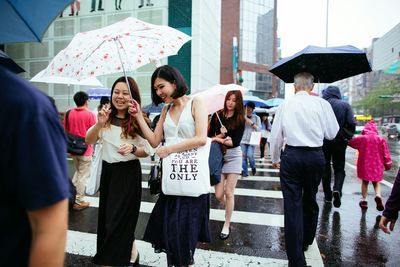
326,64
9,64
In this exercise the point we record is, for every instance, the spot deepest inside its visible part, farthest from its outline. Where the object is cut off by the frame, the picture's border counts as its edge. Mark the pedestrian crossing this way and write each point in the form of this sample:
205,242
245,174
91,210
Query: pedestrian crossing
257,228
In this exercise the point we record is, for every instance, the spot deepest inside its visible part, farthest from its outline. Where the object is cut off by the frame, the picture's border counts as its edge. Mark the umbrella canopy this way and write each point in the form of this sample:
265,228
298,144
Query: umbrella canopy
261,111
326,64
10,64
41,78
122,46
214,96
27,20
273,102
97,93
258,102
394,68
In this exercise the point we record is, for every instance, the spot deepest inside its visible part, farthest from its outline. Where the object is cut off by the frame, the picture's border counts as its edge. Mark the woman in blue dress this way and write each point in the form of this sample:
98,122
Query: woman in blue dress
176,223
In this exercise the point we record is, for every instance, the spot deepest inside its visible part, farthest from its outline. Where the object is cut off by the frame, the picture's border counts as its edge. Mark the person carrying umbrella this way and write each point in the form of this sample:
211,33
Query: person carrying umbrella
302,122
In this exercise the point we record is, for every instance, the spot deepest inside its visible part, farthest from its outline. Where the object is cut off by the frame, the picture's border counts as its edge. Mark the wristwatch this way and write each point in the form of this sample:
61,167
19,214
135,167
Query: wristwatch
134,148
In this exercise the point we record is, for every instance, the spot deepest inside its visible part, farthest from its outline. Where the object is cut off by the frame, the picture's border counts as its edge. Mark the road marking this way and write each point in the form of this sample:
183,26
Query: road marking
246,192
217,214
260,178
388,184
80,243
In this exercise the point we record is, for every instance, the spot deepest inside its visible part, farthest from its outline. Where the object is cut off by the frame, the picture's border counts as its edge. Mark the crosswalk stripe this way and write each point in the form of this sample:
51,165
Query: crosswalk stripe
218,215
246,192
261,178
85,244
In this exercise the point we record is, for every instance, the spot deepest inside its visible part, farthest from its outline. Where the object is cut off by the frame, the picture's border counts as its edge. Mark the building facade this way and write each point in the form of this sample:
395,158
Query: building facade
249,45
198,60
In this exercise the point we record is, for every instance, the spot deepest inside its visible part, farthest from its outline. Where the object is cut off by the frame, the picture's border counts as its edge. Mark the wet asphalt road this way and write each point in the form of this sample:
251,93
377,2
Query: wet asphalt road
346,236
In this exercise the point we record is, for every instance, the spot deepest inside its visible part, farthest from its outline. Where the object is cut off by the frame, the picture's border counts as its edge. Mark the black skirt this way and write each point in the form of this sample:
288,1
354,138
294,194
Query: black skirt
119,207
175,226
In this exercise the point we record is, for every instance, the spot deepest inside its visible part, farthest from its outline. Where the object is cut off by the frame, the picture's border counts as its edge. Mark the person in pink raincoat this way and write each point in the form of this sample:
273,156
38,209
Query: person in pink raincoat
373,159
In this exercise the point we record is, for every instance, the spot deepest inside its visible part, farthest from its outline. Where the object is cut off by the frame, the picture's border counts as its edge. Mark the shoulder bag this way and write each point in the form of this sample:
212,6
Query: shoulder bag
75,144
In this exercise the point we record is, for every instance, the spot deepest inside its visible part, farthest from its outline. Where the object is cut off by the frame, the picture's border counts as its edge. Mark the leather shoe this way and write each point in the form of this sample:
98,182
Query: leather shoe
223,236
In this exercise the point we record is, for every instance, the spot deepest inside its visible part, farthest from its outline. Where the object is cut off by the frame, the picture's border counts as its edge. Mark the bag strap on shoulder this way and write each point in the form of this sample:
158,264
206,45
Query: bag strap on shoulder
66,120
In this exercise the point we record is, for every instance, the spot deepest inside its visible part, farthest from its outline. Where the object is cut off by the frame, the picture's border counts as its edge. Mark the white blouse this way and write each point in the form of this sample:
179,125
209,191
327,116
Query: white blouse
112,140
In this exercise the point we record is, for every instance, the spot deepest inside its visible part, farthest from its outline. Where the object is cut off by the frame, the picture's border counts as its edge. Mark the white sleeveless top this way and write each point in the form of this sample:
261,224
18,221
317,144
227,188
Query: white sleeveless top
185,128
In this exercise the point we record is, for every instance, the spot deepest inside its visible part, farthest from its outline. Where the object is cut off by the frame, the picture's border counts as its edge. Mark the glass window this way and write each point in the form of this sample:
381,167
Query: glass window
16,51
44,87
64,27
90,23
36,67
39,50
117,17
152,16
60,45
256,23
62,89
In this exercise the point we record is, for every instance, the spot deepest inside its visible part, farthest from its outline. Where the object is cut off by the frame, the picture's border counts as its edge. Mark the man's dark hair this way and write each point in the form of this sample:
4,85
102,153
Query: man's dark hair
251,104
80,98
104,100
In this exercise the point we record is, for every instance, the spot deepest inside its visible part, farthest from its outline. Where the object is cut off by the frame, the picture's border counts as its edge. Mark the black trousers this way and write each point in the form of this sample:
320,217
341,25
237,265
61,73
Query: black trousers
300,174
335,152
262,146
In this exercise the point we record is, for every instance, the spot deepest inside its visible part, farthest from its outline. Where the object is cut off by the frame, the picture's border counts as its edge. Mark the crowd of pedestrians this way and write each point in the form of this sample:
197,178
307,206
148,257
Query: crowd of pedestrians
307,135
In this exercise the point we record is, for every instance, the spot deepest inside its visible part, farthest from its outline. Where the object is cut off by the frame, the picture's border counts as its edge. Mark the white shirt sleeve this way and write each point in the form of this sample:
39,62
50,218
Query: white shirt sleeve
331,125
277,137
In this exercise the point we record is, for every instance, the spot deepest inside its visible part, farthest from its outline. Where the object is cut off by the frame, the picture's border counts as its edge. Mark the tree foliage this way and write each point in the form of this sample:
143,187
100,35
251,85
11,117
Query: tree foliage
384,99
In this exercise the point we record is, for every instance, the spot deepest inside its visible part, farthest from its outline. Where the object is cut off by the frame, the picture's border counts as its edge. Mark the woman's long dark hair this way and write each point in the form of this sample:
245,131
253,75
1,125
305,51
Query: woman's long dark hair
134,126
238,114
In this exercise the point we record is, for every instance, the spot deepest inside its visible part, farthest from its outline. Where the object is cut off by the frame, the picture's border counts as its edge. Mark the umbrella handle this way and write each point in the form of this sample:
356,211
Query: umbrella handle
216,113
122,64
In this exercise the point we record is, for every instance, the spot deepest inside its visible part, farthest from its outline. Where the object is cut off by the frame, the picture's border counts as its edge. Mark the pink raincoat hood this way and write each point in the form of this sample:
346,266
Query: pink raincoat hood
370,128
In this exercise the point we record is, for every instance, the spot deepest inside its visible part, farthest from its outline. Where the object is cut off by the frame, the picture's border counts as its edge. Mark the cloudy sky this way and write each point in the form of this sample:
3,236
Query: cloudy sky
353,22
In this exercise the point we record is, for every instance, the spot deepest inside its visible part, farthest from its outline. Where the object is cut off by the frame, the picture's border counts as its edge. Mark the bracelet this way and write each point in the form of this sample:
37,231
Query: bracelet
134,148
253,124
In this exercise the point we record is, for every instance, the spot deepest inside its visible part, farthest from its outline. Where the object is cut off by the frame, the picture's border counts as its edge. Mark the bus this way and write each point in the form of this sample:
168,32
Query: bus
361,120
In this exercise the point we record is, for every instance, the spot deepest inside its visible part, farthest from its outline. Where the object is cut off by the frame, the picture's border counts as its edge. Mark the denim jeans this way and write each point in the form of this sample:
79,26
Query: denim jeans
248,154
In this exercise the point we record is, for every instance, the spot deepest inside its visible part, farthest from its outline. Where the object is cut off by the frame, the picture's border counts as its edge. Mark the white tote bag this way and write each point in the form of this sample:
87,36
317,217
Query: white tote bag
255,138
93,183
187,173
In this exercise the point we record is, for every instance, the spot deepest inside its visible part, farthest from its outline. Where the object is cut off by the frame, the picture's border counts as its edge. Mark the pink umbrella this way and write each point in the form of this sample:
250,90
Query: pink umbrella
214,96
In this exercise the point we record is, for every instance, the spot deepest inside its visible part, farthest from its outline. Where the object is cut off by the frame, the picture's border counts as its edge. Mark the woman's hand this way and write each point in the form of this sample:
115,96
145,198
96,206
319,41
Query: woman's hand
163,152
103,114
223,130
125,149
134,108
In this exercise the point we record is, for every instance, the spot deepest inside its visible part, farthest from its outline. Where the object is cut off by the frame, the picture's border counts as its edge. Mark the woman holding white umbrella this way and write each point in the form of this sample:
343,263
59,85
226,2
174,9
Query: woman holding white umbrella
121,176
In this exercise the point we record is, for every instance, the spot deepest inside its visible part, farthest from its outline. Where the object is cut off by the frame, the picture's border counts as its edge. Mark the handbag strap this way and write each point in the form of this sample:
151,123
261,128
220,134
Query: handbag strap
163,139
66,120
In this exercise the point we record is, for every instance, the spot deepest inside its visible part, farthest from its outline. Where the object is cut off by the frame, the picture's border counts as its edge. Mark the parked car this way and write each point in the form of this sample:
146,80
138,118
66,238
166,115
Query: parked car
393,131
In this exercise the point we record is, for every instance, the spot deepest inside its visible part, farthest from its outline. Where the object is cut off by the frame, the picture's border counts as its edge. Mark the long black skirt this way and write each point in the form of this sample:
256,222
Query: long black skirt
119,207
175,226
